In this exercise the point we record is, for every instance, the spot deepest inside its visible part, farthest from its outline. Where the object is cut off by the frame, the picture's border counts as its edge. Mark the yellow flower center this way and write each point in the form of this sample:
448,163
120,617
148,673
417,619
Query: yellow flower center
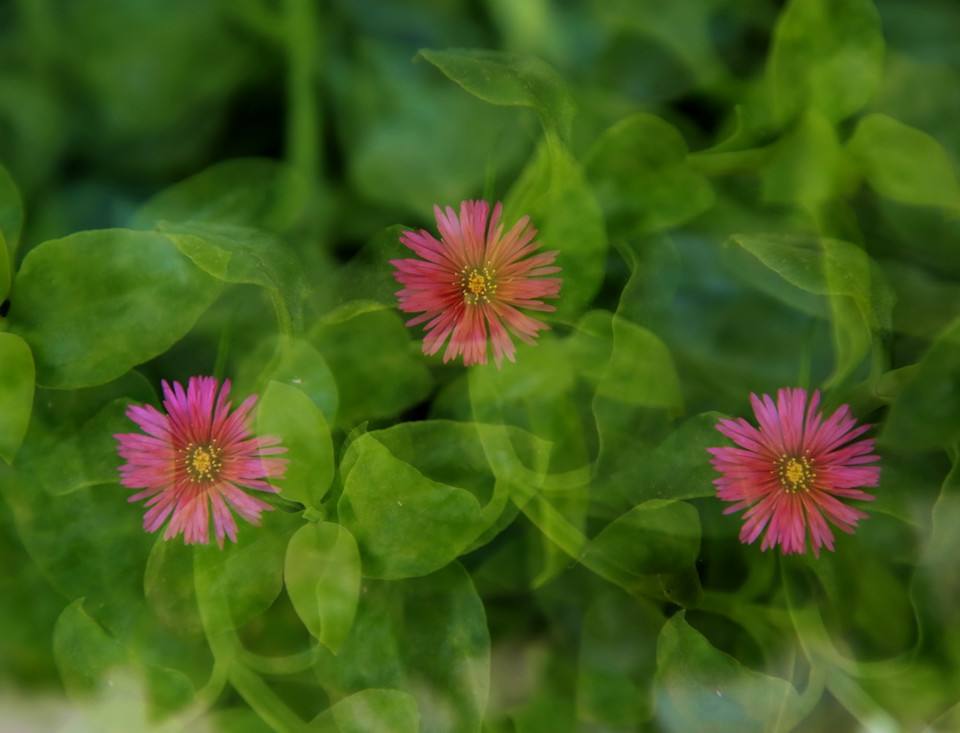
477,284
795,473
202,461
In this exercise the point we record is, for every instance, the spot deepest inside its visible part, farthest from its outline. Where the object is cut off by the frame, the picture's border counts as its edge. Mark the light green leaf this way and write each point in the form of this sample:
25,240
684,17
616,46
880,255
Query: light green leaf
827,55
552,191
701,688
6,267
924,414
509,80
904,163
639,172
11,219
858,298
95,304
807,165
322,575
169,588
288,413
370,711
641,370
370,353
247,192
16,393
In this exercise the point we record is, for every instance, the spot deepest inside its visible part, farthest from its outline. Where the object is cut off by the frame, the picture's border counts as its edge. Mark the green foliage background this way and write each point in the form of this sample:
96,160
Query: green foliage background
745,194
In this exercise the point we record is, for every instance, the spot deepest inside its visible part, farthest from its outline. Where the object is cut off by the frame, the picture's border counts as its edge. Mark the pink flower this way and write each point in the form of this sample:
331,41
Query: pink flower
795,471
198,459
473,281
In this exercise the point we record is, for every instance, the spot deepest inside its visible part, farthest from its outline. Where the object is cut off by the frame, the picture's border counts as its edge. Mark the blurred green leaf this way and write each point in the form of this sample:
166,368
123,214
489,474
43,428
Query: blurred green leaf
859,299
6,265
640,371
807,165
95,304
827,55
551,190
370,354
288,413
509,80
427,636
322,576
617,661
255,193
924,414
16,393
903,163
639,172
701,688
168,585
11,219
370,711
245,255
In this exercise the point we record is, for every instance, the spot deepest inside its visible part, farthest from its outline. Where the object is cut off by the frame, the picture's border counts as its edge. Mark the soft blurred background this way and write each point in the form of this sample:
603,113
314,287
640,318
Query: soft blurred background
746,194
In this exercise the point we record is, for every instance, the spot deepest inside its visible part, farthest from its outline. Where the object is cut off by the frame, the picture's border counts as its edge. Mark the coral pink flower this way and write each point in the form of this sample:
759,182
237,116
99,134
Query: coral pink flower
795,471
473,281
198,459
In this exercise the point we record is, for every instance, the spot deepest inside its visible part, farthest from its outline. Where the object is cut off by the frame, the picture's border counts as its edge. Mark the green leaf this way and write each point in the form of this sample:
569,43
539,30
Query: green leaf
827,55
406,524
95,304
288,413
6,267
552,191
246,256
427,636
370,711
247,192
807,165
639,172
703,689
322,575
511,80
657,537
169,588
370,353
903,163
11,219
617,661
640,371
924,414
16,393
858,298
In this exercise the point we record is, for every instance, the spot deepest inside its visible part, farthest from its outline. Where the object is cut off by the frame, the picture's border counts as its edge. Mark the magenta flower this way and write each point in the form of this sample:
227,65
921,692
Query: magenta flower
473,281
198,459
795,471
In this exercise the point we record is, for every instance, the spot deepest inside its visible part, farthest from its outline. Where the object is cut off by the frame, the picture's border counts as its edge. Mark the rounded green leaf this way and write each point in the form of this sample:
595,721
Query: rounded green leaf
826,54
322,575
11,218
289,414
510,80
904,163
94,304
16,393
700,688
639,172
370,711
6,266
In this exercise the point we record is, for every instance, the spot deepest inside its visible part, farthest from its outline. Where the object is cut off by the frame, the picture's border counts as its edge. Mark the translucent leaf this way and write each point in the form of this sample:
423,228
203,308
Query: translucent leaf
169,588
924,414
807,165
639,172
370,353
16,393
701,688
903,163
322,576
552,191
510,80
287,412
11,217
827,55
247,192
427,636
370,711
95,304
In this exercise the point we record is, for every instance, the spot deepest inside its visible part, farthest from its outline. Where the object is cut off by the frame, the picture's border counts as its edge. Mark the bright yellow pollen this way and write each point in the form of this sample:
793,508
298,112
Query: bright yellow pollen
202,462
796,473
478,284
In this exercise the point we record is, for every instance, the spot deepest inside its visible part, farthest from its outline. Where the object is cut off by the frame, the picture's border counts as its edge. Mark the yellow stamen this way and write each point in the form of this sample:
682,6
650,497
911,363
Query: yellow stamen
202,462
477,284
796,473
